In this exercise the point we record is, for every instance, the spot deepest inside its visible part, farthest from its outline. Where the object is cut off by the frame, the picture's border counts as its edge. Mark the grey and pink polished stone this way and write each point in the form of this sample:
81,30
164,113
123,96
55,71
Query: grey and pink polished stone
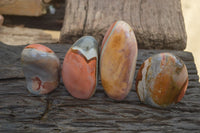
41,68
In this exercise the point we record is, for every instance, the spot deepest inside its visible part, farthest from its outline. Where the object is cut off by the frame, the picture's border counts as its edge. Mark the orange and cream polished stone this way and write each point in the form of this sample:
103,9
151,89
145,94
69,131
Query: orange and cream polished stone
41,68
118,60
80,68
162,80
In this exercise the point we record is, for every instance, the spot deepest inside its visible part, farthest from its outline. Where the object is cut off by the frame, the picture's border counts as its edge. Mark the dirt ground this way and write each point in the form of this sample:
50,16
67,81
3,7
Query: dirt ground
191,13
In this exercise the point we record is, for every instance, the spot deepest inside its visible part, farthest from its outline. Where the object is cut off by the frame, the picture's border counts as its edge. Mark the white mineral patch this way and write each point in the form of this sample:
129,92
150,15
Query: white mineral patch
142,84
89,54
88,46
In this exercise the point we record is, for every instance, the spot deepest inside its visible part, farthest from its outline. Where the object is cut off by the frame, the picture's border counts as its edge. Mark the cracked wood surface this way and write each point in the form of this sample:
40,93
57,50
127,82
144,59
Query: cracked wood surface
158,24
21,111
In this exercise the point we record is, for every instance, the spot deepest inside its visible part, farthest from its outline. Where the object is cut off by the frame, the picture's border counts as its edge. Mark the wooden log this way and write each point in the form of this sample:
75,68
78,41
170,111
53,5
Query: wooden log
23,7
23,36
21,111
158,24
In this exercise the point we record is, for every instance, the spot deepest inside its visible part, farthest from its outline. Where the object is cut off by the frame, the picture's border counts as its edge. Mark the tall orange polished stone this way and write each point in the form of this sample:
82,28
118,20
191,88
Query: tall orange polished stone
118,60
41,68
80,68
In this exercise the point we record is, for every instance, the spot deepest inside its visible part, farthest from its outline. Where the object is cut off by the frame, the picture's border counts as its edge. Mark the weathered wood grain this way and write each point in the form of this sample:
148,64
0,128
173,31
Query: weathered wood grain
158,24
23,7
23,36
21,111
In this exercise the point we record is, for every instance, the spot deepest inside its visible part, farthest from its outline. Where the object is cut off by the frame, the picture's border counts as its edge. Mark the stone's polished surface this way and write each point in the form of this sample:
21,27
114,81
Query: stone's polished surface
40,47
41,68
80,67
1,20
162,80
118,60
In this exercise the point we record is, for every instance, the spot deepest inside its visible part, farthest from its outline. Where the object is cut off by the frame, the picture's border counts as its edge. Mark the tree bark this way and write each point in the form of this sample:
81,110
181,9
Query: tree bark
158,24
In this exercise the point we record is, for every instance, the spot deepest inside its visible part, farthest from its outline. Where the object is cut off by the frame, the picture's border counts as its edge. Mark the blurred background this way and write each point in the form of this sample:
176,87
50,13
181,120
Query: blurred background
191,13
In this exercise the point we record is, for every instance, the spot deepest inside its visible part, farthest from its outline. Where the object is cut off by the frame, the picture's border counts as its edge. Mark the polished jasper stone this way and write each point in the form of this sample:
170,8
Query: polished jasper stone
118,60
162,80
41,68
80,68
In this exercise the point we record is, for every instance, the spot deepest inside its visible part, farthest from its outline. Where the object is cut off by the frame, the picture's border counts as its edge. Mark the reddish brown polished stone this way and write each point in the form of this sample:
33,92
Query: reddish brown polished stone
162,80
79,71
41,68
118,60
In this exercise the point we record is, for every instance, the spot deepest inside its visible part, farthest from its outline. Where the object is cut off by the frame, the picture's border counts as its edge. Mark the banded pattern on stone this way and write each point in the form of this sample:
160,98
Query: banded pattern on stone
118,60
162,80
